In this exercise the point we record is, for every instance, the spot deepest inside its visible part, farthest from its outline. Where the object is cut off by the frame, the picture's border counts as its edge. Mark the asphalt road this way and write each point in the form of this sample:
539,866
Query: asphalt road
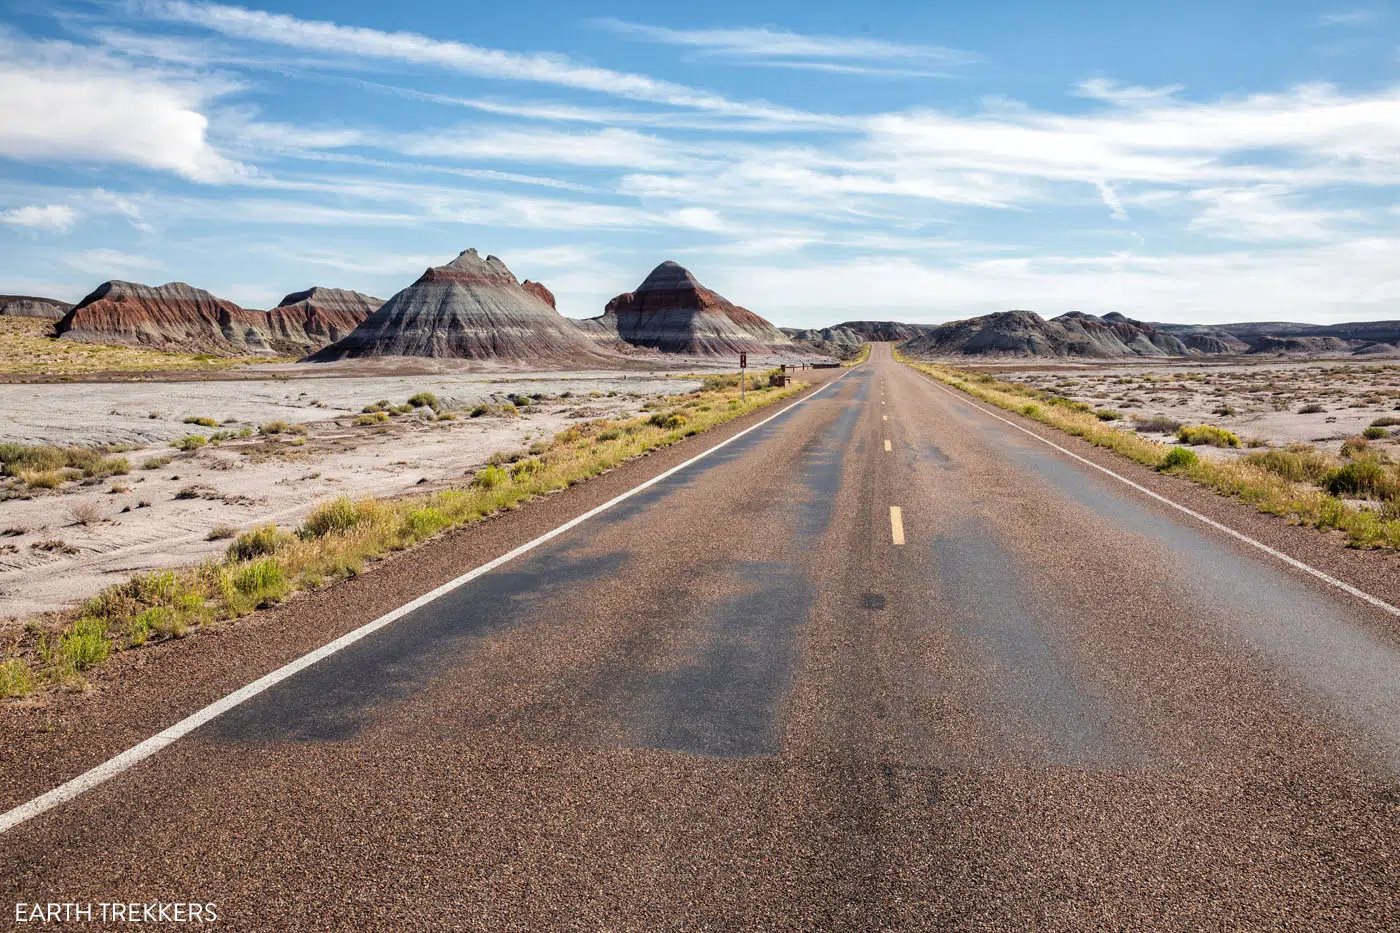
735,701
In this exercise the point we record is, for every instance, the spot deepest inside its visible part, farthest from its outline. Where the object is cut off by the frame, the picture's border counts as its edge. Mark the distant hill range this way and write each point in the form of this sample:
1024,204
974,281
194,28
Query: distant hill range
29,306
1112,336
181,318
470,308
844,341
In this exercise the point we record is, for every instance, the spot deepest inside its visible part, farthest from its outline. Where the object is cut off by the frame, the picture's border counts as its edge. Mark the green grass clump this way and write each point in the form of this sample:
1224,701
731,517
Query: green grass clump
16,678
1157,424
1365,478
1375,433
424,522
191,442
48,467
259,541
155,463
335,517
669,420
85,645
1209,434
1298,464
202,422
261,577
1179,458
281,427
373,417
1107,414
490,477
426,400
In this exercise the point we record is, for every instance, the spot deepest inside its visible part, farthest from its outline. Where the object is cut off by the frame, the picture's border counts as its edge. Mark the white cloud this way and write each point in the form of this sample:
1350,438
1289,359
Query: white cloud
419,50
1265,213
768,47
63,102
609,148
1346,281
57,218
110,263
1358,17
104,199
1111,200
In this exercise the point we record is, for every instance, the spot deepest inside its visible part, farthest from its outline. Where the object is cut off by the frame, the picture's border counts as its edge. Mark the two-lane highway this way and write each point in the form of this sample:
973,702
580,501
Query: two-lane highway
884,662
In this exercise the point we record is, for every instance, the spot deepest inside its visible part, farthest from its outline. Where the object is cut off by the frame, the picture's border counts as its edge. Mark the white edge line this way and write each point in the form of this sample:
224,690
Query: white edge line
138,753
1291,561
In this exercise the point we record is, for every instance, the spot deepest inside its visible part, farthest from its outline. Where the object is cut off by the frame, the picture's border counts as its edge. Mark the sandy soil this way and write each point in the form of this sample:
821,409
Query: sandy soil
243,482
1270,403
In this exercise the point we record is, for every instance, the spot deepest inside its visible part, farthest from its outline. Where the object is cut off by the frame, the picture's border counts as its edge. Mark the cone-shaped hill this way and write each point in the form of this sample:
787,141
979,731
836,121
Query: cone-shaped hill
672,312
471,308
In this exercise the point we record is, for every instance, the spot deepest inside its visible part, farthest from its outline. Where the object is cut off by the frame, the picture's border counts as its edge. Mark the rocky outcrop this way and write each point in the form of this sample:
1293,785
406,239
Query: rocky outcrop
470,308
1286,337
845,340
1307,345
1025,333
29,306
174,316
673,313
1212,342
319,316
180,318
540,292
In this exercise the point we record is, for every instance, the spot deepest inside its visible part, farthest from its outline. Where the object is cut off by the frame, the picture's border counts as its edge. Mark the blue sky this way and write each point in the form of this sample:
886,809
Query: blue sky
814,162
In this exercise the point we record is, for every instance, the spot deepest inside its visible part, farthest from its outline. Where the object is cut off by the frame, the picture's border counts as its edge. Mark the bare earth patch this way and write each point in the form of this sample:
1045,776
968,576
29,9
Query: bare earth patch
164,517
1276,404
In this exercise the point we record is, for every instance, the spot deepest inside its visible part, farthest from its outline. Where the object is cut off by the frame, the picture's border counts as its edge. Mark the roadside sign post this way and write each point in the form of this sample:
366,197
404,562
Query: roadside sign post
743,365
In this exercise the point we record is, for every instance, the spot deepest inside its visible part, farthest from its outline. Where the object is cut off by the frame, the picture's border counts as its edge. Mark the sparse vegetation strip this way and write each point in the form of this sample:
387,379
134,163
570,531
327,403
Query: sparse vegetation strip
265,564
1300,483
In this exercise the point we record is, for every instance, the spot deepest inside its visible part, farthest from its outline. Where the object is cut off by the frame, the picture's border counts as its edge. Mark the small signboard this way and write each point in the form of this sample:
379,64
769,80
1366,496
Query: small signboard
743,361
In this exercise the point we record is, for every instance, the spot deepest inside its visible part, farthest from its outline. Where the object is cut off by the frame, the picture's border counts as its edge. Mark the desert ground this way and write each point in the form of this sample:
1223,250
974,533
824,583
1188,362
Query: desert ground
174,507
1275,404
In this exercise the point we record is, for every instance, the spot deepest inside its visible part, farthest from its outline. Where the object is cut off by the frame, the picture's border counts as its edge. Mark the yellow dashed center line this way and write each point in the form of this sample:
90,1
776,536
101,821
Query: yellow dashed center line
886,417
888,448
896,524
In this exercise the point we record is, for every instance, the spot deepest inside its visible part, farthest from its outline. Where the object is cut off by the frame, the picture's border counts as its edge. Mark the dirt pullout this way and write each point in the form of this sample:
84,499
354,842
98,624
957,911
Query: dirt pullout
163,517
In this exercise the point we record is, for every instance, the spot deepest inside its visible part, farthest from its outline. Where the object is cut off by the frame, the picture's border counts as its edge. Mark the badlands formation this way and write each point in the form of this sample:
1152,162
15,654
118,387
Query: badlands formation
472,308
30,306
180,318
1115,336
673,313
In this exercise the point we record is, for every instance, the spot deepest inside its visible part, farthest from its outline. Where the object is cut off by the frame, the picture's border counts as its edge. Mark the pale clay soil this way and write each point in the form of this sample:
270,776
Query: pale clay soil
244,482
1267,399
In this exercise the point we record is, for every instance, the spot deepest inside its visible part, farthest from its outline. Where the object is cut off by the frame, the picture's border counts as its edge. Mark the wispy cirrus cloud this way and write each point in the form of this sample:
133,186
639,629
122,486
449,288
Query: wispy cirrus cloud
781,49
111,262
351,42
1356,17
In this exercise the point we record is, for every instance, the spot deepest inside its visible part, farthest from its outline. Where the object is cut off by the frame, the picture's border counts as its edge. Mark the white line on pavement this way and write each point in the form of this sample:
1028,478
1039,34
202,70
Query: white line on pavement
1240,536
140,752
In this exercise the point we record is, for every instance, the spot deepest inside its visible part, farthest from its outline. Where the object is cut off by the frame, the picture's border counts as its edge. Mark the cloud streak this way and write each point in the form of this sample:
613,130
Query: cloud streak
775,48
413,48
